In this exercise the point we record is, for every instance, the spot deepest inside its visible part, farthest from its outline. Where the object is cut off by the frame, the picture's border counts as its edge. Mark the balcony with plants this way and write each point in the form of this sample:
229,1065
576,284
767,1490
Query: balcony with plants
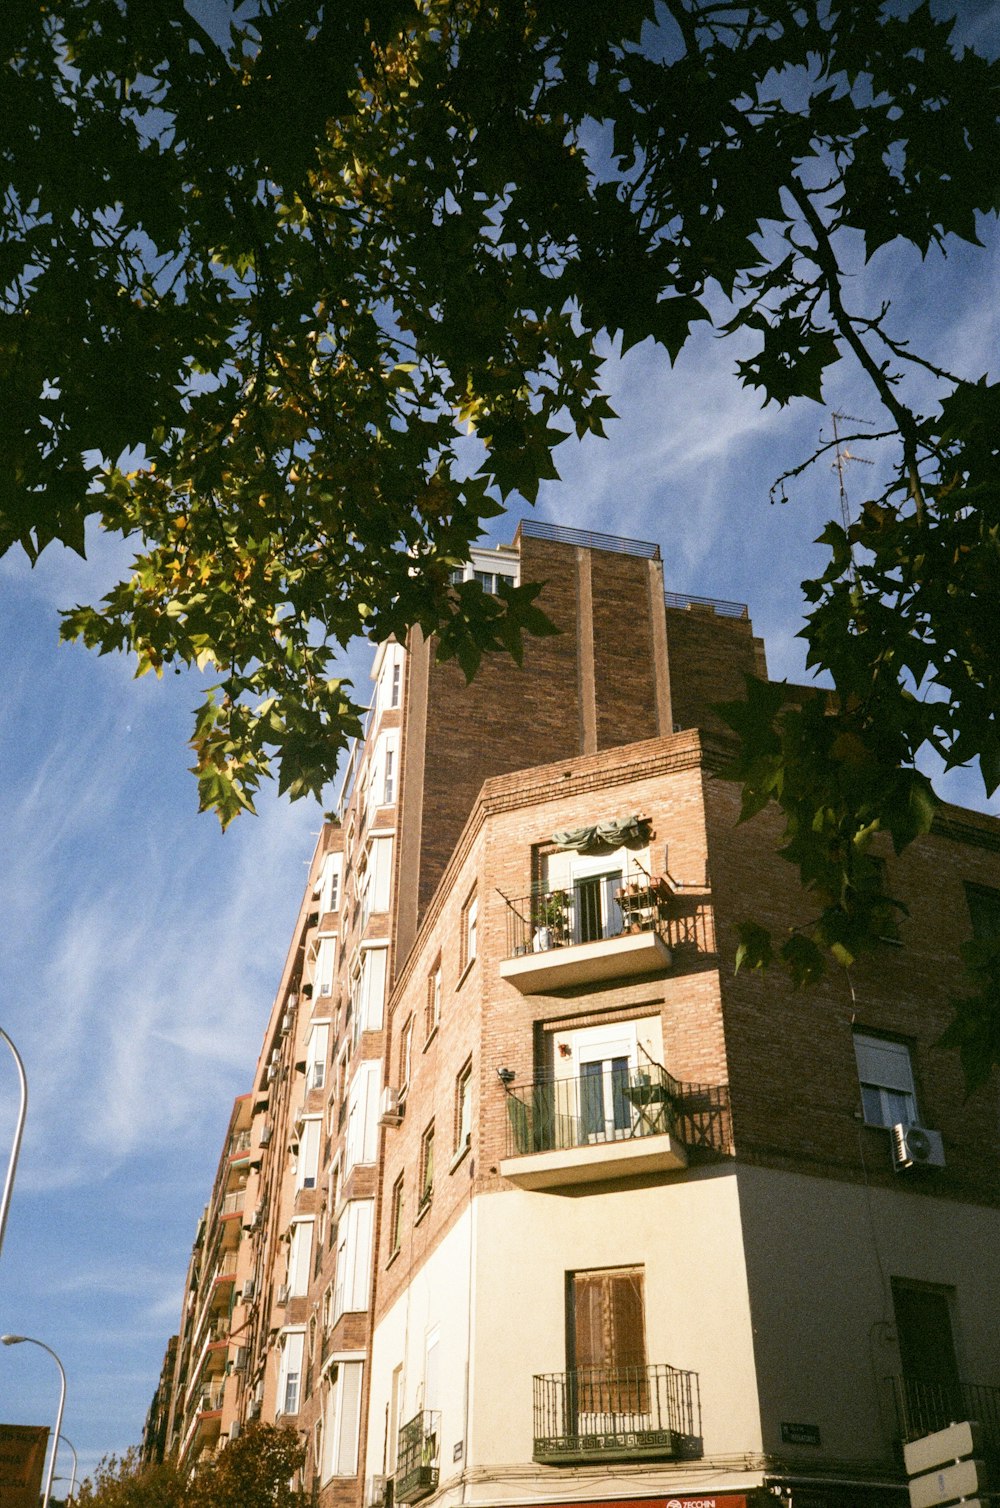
417,1458
623,1414
606,926
614,1120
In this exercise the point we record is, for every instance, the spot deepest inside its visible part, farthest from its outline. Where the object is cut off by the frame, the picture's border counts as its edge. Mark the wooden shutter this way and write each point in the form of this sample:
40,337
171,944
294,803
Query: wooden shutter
608,1340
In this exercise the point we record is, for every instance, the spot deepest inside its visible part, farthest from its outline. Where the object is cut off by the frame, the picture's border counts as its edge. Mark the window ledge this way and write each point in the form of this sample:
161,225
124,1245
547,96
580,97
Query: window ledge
423,1211
392,1257
462,1152
431,1035
467,971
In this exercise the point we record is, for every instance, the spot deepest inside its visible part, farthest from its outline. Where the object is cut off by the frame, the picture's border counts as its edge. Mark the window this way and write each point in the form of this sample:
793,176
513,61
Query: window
396,1217
405,1055
589,1072
307,1161
376,879
342,1420
586,889
290,1372
433,1015
316,1053
470,930
354,1255
389,776
984,912
463,1108
426,1167
369,991
362,1115
326,957
485,568
328,884
606,1341
299,1254
395,684
888,1095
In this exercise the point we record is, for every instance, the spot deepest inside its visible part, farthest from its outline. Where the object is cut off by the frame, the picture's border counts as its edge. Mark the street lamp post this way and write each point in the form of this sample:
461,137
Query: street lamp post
72,1480
8,1187
17,1340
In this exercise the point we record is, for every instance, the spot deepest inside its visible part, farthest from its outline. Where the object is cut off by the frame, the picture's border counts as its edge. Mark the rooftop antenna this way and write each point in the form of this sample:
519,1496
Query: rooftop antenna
840,457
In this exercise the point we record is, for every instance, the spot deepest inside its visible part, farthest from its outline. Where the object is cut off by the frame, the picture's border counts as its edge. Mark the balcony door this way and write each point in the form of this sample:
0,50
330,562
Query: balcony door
592,1069
931,1388
607,1349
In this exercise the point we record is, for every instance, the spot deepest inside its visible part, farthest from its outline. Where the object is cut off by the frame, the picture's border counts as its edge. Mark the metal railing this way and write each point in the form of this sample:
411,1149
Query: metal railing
233,1203
239,1143
589,910
719,605
417,1465
535,528
922,1408
624,1413
614,1101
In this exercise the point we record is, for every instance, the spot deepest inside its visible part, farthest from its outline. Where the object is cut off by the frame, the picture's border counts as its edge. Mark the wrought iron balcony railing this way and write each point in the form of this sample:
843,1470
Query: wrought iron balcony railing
417,1466
616,1413
590,910
615,1102
922,1408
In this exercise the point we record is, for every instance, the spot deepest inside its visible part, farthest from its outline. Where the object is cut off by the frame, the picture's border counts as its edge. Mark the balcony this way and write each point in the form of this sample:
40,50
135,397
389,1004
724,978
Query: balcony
417,1466
922,1408
614,1122
616,1414
608,927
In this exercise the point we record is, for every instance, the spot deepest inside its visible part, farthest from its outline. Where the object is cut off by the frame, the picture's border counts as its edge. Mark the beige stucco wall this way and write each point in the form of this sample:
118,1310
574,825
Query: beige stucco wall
684,1232
820,1256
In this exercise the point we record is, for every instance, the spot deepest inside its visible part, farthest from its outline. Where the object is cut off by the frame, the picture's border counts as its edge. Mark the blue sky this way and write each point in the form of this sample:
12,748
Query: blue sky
142,947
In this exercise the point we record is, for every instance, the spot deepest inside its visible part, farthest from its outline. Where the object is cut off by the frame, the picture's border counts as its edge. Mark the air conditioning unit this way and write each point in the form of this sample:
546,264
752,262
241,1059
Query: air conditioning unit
286,1021
375,1492
248,1290
283,1293
234,1430
256,1219
272,1072
390,1109
916,1147
265,1136
240,1359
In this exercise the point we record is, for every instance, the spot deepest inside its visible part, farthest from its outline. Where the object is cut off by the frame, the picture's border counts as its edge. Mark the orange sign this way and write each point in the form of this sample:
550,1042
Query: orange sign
22,1459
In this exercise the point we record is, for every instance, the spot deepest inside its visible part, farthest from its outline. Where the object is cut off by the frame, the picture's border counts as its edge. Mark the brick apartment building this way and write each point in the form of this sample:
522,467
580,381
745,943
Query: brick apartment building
533,1200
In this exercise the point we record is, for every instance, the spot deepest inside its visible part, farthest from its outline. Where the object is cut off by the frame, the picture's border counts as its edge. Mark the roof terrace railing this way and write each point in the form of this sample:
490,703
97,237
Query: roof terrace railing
535,528
718,605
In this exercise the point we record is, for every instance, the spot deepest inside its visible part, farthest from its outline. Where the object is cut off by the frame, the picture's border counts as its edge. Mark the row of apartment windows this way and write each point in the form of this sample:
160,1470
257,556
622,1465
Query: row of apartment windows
426,1165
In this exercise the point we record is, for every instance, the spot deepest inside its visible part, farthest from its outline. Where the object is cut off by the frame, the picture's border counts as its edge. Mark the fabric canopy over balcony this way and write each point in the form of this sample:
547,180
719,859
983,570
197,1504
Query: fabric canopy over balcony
634,829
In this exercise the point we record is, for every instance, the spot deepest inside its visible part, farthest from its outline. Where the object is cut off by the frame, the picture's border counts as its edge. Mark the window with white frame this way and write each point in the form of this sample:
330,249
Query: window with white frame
395,683
369,990
317,1049
470,930
362,1114
433,1013
463,1108
328,885
354,1257
587,886
405,1055
885,1073
290,1371
377,878
307,1159
593,1070
342,1416
326,958
389,770
488,568
299,1257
